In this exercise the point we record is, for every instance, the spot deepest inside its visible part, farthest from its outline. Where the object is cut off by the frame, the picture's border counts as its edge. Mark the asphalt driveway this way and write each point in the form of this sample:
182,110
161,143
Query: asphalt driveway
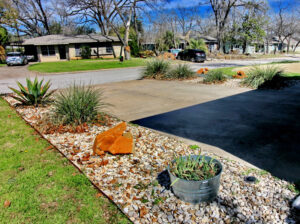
258,126
261,127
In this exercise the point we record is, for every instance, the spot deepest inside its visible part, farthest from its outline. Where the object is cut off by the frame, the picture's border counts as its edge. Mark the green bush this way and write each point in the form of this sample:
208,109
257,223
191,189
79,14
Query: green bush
156,69
182,71
86,51
34,94
77,104
264,77
215,76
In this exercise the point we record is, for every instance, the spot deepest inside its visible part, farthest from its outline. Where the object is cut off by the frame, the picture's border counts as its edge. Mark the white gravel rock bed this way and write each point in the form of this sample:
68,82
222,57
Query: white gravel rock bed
131,180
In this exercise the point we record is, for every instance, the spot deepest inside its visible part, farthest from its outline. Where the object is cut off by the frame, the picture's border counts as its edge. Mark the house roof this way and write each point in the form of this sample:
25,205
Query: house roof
68,39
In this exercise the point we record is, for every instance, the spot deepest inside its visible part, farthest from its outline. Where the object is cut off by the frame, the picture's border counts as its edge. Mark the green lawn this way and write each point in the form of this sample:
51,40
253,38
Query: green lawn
84,65
42,186
229,70
2,65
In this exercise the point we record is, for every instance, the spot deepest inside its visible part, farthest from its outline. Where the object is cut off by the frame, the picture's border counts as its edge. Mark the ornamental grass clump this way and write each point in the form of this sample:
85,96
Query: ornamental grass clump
265,77
34,94
77,105
182,71
193,168
215,76
156,69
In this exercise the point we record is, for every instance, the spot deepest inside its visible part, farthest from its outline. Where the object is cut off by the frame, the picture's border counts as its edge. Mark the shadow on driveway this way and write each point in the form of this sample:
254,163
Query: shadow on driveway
259,126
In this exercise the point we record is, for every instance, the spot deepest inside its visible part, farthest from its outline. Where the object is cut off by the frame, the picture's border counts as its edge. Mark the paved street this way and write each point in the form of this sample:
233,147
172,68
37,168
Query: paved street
9,75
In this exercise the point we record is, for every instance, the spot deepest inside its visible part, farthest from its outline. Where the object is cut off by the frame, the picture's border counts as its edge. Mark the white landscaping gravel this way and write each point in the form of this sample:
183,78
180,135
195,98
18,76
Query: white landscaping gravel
131,180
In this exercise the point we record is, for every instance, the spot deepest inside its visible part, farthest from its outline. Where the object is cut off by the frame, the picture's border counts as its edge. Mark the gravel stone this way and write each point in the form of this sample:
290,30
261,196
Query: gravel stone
129,180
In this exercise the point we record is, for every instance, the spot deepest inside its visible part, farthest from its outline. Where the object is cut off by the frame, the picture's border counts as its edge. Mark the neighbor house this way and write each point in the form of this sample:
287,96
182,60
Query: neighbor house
68,47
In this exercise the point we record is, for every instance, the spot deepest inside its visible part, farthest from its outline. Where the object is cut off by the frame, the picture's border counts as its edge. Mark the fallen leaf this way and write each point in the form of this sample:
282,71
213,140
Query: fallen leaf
86,157
7,204
98,195
121,172
91,166
104,163
21,168
37,139
143,211
49,147
113,181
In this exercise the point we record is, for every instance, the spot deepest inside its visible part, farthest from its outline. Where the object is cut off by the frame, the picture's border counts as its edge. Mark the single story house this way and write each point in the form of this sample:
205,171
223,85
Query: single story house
68,47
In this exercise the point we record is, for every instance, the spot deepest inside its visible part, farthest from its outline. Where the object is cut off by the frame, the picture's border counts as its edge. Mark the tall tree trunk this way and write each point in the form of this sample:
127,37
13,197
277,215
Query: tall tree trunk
244,47
296,46
136,26
126,36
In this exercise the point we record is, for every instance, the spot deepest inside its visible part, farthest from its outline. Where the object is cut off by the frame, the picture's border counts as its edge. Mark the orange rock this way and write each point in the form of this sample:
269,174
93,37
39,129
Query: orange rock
113,141
104,140
200,71
123,145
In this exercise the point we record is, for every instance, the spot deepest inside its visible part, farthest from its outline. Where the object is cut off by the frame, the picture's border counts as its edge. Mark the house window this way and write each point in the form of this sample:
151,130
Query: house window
48,50
77,50
109,49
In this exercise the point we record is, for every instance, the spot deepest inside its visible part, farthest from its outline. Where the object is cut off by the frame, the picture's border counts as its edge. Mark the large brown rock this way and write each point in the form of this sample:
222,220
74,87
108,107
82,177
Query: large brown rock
113,141
122,145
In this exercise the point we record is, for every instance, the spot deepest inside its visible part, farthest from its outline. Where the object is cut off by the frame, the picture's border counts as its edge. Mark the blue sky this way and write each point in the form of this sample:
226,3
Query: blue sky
206,7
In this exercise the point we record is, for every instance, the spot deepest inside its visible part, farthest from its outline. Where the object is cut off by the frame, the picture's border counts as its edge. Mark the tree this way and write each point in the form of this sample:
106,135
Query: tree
198,44
286,23
3,36
109,14
222,9
169,39
251,30
33,17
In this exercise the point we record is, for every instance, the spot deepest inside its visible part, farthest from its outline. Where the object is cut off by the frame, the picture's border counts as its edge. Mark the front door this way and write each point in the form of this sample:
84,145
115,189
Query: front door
62,52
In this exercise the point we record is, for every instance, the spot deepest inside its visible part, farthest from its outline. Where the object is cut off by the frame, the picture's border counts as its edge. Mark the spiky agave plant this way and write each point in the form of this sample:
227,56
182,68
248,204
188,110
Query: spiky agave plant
34,94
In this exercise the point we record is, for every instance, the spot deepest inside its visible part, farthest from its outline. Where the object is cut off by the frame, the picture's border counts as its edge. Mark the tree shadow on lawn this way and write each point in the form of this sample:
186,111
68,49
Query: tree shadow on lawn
259,126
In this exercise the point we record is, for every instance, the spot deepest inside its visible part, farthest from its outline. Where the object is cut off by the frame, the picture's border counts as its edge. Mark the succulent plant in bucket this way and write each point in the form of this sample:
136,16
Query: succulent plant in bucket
195,178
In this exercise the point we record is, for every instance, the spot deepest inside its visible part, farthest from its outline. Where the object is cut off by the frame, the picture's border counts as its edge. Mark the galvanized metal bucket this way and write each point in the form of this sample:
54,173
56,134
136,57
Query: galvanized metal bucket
197,191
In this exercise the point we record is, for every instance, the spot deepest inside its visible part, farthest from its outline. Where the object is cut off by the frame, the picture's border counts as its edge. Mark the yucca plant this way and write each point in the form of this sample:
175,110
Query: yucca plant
34,94
215,76
181,71
156,69
264,77
78,104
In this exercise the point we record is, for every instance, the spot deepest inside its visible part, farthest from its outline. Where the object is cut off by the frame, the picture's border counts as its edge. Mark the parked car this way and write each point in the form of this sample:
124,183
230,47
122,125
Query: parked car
193,55
174,51
16,58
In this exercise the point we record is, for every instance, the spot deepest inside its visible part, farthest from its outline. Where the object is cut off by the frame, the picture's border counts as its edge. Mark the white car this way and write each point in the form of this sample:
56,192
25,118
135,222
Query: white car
16,58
